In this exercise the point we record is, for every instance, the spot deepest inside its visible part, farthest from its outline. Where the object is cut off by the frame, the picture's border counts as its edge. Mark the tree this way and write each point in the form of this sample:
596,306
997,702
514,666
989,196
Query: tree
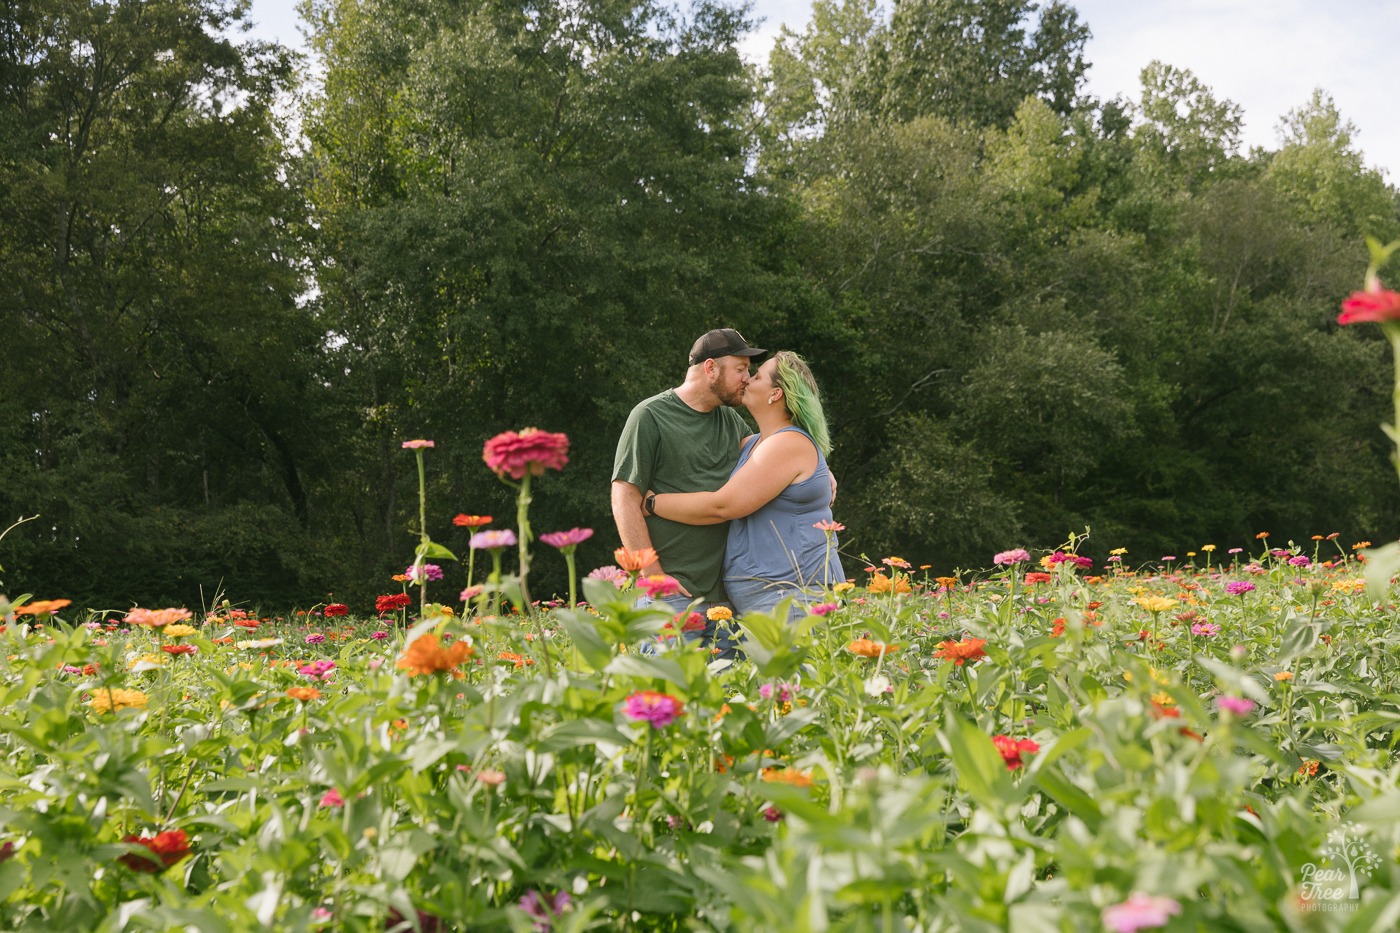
150,281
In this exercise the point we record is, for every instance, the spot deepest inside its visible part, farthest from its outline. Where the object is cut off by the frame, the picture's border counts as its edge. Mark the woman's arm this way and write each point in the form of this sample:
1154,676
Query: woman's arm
775,464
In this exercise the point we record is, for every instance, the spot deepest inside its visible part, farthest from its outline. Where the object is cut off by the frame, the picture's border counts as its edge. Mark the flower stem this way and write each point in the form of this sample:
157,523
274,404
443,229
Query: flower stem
522,521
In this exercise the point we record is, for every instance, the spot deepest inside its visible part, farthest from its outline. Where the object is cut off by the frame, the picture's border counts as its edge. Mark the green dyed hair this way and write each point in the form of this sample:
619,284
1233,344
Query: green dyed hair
801,396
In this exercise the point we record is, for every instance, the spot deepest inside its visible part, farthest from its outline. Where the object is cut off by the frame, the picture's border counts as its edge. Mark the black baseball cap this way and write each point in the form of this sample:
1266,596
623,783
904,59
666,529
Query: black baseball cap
723,341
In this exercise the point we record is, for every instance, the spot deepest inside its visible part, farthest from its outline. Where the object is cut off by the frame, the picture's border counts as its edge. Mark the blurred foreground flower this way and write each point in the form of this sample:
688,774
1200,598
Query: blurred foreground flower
114,698
165,848
870,649
1140,912
659,709
1011,750
427,656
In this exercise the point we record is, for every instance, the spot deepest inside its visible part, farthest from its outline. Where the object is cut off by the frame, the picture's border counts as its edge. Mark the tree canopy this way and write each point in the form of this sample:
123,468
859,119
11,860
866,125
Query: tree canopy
230,292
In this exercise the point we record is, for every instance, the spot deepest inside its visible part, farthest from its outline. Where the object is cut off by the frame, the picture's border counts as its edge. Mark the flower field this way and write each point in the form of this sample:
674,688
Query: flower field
1042,745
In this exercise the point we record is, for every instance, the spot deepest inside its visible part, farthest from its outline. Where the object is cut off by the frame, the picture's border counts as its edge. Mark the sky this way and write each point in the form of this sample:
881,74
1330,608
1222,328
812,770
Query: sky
1267,56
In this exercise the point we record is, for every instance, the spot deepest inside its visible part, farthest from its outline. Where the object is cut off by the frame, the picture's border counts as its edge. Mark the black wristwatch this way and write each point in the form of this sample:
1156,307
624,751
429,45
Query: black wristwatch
649,504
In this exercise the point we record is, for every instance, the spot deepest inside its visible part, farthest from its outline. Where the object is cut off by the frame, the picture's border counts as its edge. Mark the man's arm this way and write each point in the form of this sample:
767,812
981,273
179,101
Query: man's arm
631,524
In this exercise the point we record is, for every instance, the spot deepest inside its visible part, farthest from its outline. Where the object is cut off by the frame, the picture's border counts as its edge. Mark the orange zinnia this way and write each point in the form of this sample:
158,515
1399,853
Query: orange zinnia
40,606
969,649
870,649
787,776
633,561
427,656
879,583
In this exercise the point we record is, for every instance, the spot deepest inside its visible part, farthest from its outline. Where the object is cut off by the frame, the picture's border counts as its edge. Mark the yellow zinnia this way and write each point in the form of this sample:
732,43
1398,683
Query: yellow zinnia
1156,603
179,631
719,613
108,699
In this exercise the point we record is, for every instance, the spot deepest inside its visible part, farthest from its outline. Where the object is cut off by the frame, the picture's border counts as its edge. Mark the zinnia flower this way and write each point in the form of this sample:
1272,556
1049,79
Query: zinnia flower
114,698
870,649
1239,706
319,670
417,444
304,694
571,538
1011,749
416,572
693,621
530,451
471,521
179,649
659,709
659,586
879,583
42,607
155,618
824,609
427,656
333,610
1016,556
487,540
633,561
165,849
1139,912
332,798
613,574
1375,305
719,613
829,526
1238,587
544,909
1156,603
315,638
178,631
969,649
392,602
788,776
1208,629
1034,578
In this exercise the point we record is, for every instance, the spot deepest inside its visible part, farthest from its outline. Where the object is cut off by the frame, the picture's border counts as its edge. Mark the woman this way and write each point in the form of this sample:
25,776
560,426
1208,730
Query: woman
779,491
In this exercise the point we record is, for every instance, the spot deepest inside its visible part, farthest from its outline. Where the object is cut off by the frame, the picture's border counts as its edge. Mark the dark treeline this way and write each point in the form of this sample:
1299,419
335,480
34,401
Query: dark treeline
229,294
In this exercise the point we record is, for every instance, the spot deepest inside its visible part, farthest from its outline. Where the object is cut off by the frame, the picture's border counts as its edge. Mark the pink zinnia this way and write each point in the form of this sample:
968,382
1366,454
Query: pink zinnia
824,609
1238,587
571,538
1139,912
379,636
1240,706
530,451
1016,556
1208,629
429,571
417,444
332,798
317,670
315,638
659,709
1375,305
659,586
610,572
486,540
825,525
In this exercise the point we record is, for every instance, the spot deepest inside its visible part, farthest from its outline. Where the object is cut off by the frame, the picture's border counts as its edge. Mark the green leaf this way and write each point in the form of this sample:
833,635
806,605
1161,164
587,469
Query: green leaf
434,550
1382,563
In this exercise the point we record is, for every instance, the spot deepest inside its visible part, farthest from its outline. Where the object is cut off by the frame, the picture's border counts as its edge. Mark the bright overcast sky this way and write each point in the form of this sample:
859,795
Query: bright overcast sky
1265,55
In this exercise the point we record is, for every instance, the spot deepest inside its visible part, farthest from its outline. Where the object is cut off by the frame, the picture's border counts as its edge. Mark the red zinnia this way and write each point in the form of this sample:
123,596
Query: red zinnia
393,602
166,849
1375,305
1033,578
530,452
335,609
471,521
1011,750
178,649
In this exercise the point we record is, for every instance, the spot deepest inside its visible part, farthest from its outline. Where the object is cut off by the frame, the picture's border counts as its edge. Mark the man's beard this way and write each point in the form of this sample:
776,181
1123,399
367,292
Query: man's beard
733,399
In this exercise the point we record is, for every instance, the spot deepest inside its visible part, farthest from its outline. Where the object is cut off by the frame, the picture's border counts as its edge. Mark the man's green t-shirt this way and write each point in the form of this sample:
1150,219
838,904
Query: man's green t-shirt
667,446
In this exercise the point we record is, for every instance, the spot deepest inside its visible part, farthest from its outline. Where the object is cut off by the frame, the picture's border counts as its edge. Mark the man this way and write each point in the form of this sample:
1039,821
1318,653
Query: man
685,439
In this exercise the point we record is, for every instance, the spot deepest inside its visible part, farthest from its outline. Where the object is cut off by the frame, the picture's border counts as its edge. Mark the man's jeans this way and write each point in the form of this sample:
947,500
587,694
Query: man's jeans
718,635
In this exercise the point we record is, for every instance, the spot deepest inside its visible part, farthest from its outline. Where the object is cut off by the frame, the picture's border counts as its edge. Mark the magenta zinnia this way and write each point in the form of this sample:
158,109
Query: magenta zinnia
659,709
571,538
